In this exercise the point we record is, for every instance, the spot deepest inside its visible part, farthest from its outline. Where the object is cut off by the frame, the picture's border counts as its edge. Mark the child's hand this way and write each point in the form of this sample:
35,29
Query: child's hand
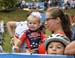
17,49
28,51
12,41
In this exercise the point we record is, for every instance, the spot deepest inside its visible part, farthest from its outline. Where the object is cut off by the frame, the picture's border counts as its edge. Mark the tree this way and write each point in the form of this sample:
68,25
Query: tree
7,4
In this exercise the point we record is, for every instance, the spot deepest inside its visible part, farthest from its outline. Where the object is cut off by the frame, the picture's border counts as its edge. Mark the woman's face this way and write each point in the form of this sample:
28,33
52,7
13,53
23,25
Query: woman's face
50,22
55,48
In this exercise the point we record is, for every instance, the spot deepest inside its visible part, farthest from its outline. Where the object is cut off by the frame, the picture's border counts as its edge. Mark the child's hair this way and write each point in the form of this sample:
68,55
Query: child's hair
35,14
57,12
57,38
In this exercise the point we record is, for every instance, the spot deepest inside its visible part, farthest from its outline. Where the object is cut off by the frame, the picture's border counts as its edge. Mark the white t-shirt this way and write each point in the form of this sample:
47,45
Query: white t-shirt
20,28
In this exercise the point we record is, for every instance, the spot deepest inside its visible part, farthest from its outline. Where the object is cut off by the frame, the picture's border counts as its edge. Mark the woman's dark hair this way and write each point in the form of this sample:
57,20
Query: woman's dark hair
65,21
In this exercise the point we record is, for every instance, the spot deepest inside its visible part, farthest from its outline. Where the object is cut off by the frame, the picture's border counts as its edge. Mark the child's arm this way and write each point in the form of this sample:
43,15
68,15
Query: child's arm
17,46
19,42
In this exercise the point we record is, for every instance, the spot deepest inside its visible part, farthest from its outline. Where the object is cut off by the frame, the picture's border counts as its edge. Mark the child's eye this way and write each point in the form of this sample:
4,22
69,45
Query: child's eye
30,23
34,23
59,47
50,47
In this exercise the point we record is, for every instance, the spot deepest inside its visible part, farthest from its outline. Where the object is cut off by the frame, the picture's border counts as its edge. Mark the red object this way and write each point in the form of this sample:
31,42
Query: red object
41,49
72,18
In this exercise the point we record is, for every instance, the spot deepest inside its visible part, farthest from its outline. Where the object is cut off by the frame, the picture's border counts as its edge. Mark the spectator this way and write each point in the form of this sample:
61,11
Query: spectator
72,3
23,4
45,4
73,26
1,36
33,37
70,48
56,44
15,30
56,21
67,5
73,32
18,26
2,33
49,3
1,49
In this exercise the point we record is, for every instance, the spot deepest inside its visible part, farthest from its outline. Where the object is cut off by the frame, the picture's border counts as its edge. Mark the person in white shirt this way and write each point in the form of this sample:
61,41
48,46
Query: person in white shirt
15,30
18,26
23,3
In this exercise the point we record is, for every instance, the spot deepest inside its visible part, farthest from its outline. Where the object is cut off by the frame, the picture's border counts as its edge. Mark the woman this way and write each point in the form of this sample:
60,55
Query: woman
57,22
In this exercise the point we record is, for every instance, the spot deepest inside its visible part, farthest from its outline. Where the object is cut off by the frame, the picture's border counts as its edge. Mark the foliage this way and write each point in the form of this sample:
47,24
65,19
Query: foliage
7,4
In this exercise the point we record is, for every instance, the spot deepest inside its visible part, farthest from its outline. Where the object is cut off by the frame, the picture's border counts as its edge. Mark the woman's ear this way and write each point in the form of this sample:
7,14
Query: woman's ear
58,20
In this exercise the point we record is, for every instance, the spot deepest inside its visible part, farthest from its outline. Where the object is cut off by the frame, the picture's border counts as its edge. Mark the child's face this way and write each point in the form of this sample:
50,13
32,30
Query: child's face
33,23
55,48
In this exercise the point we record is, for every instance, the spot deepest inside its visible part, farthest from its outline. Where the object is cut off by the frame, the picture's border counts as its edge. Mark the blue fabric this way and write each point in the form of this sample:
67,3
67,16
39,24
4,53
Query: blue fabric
41,4
73,33
33,56
43,16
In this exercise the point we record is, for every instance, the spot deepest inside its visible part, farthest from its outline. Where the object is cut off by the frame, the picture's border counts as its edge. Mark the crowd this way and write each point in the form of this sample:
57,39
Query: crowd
45,4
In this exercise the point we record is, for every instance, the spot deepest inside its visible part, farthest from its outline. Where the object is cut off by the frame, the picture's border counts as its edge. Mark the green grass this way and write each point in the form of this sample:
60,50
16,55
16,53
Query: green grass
18,15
